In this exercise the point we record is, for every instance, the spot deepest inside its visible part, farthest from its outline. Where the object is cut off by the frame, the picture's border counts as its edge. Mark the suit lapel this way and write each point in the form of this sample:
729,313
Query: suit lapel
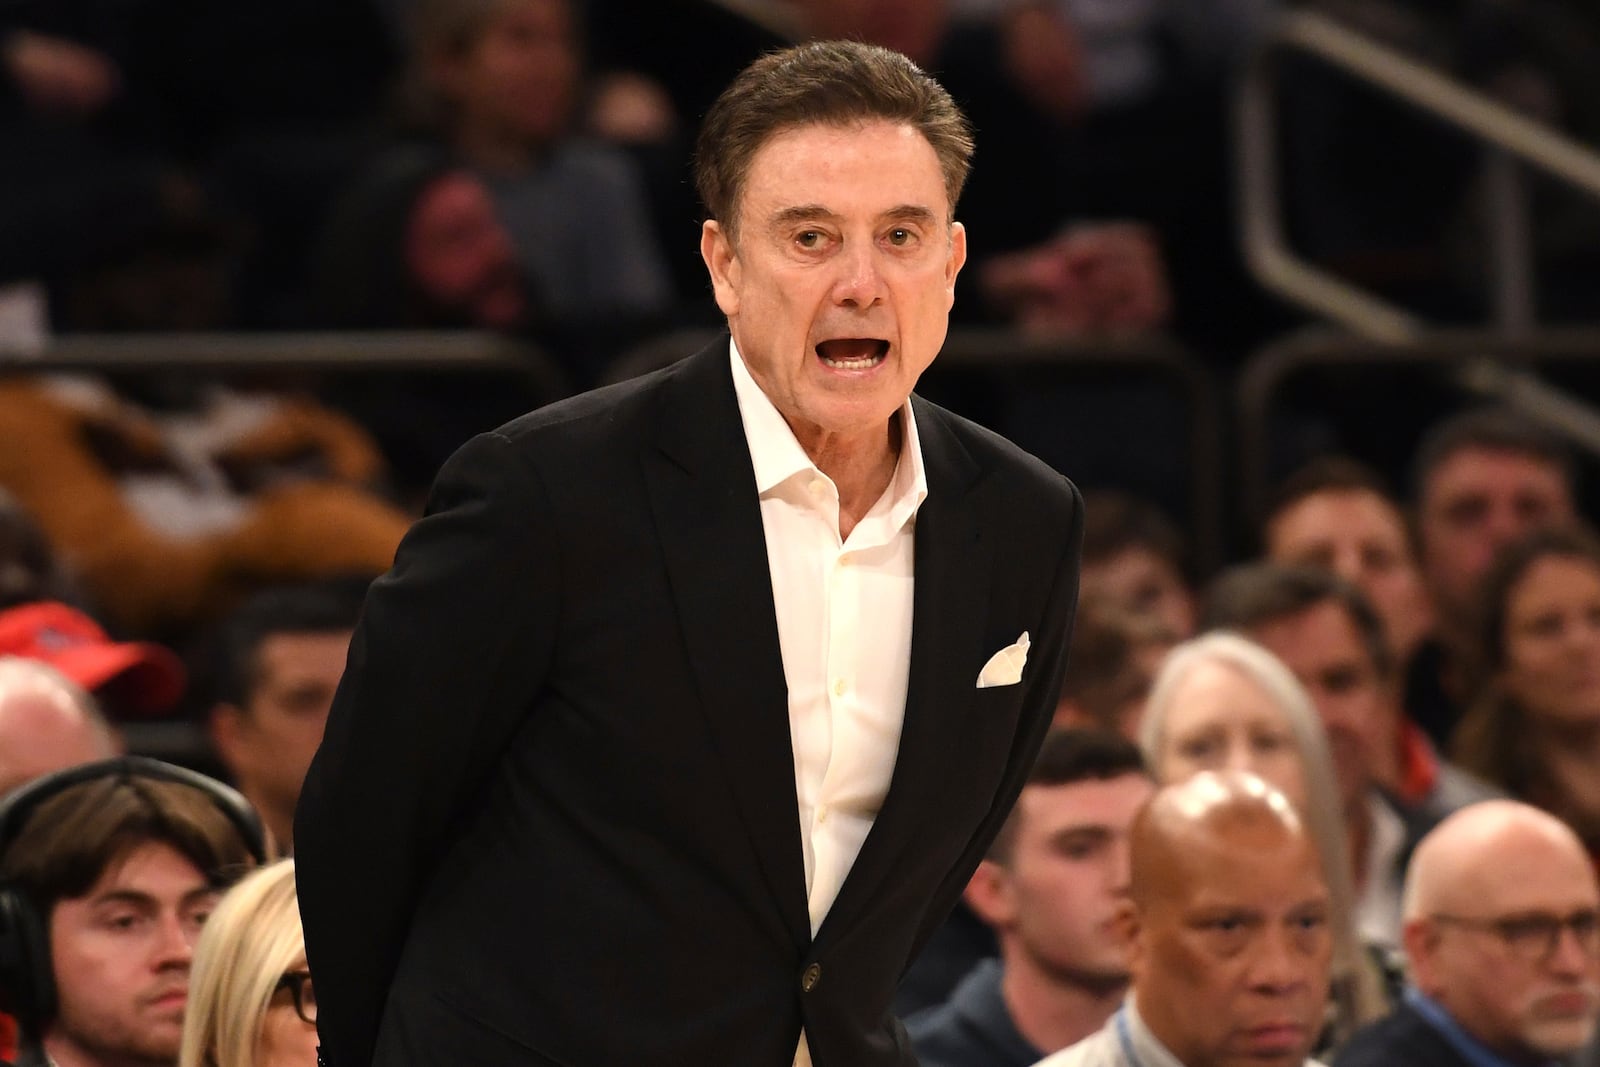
708,516
949,603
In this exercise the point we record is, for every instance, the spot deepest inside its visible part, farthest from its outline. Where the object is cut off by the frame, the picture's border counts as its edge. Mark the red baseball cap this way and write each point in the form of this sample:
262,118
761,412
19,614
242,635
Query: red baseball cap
139,678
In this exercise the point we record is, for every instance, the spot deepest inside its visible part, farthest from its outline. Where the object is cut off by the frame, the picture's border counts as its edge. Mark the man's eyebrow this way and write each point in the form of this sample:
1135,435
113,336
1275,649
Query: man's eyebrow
911,213
125,896
799,213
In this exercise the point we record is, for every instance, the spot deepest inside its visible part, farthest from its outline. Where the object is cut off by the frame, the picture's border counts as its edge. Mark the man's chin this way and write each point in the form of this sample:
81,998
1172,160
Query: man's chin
1558,1037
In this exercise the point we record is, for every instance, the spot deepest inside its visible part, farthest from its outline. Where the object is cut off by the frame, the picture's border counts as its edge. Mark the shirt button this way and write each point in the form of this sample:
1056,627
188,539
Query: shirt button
839,688
810,977
819,488
822,814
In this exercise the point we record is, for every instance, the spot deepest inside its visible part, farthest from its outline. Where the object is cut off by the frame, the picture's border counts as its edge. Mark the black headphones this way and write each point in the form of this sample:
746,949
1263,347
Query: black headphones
27,979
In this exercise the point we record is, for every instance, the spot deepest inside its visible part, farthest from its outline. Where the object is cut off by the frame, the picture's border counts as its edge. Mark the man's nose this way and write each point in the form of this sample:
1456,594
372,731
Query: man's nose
1569,956
175,941
860,281
1278,965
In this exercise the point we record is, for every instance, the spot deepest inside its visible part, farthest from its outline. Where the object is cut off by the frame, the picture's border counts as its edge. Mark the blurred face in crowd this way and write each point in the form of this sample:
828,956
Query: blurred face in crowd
268,744
1221,720
44,730
1055,893
460,256
1477,502
1506,942
1144,583
1232,947
516,79
287,1039
1551,661
121,955
1323,648
839,280
1361,537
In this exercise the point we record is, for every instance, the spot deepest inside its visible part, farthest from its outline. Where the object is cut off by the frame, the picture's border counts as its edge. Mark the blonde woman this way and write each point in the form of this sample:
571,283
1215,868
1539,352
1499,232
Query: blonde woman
1222,702
251,1001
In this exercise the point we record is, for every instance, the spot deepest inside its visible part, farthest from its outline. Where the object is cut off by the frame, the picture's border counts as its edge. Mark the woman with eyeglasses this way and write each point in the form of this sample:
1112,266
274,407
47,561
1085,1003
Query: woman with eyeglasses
251,1001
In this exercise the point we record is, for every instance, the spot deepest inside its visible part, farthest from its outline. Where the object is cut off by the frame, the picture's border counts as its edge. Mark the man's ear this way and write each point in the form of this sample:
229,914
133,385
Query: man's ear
990,896
958,258
226,727
722,263
1130,928
1420,939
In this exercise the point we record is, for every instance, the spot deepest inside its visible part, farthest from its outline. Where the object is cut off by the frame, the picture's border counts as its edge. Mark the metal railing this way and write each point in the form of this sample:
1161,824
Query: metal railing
1513,137
1012,354
226,354
1489,368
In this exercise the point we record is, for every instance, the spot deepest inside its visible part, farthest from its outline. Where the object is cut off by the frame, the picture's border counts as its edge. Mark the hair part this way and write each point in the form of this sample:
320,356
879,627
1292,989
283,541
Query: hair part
824,83
72,839
1489,430
1254,595
331,606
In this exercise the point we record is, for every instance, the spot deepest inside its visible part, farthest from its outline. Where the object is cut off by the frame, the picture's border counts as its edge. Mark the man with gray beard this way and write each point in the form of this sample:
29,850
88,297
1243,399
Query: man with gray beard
1502,928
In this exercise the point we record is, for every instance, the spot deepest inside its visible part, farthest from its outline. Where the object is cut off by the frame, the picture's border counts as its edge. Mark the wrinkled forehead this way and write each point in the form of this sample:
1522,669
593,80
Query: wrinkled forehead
793,160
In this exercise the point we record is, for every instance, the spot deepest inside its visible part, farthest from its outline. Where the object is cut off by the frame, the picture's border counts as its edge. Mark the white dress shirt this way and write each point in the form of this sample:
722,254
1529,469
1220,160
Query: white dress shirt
844,629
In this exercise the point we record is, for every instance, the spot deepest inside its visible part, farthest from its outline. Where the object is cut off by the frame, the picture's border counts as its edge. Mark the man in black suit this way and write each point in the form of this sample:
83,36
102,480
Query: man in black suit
691,705
1503,936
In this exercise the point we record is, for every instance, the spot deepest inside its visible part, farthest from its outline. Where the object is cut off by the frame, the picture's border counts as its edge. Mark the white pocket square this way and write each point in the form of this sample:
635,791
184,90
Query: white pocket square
1005,666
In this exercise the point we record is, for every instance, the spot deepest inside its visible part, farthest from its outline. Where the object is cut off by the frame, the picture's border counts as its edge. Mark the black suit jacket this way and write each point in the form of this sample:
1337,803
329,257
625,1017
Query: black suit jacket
553,818
1403,1038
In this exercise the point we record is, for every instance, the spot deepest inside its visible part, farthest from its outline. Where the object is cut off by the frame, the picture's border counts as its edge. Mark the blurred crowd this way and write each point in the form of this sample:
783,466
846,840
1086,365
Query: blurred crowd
1409,656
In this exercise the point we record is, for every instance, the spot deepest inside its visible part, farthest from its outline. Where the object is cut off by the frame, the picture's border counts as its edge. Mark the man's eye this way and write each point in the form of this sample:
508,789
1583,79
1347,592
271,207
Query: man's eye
808,239
900,236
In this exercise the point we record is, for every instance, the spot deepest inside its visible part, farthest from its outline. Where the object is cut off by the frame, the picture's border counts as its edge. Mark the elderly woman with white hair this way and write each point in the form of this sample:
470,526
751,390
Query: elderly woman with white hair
251,1001
1222,702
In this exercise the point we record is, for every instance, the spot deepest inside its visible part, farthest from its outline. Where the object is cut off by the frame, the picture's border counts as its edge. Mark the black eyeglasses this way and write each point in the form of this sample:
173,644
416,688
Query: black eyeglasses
1534,937
298,983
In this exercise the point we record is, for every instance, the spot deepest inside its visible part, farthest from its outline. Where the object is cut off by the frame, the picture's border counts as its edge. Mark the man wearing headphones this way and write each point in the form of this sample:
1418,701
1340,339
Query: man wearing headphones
107,872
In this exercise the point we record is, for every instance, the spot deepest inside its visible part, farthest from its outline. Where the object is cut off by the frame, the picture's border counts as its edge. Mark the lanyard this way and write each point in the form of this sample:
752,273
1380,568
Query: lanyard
1126,1039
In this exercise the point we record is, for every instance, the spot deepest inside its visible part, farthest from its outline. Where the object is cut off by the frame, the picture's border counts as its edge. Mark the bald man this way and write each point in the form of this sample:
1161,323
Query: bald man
47,723
1502,924
1228,926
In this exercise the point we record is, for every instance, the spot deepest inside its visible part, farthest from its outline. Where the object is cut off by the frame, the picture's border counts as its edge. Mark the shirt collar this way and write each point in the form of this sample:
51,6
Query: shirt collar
777,456
1475,1052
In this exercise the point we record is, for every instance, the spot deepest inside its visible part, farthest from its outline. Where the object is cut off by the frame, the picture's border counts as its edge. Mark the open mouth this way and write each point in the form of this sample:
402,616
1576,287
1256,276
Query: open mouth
853,353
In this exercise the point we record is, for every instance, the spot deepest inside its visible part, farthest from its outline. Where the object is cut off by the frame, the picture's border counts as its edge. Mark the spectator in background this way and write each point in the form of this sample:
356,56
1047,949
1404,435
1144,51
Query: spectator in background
130,679
1339,515
1114,655
497,82
47,724
1503,936
113,869
1134,557
279,659
1231,924
253,1001
1223,703
1051,887
415,244
1483,480
1534,728
1326,632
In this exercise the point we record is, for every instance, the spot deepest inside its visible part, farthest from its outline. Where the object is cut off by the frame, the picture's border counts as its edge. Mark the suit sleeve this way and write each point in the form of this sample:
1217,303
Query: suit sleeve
1039,704
454,644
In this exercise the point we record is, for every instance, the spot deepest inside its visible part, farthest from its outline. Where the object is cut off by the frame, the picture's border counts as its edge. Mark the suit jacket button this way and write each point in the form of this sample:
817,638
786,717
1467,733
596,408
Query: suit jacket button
809,977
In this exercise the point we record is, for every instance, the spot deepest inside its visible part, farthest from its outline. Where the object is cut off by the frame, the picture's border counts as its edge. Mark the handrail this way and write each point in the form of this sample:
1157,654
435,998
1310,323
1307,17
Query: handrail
444,350
1265,246
1004,350
1484,366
